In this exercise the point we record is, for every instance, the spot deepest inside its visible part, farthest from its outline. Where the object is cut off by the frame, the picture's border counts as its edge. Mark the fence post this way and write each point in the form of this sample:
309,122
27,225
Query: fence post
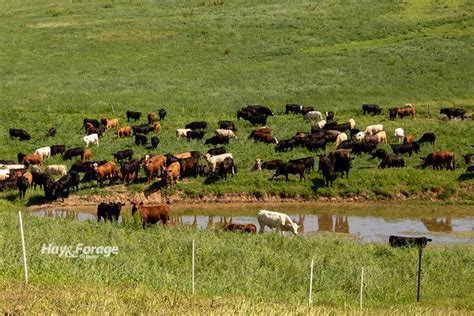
419,275
310,295
193,267
23,248
361,285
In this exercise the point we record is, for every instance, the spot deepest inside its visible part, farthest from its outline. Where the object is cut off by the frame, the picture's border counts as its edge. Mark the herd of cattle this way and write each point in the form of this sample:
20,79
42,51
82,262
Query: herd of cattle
349,141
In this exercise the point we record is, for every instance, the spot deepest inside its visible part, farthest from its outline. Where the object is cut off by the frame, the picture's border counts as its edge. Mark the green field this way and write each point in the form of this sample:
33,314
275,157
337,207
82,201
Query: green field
203,60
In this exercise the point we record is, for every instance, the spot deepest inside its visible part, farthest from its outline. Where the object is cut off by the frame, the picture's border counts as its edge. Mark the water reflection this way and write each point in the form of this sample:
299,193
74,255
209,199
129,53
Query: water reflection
438,224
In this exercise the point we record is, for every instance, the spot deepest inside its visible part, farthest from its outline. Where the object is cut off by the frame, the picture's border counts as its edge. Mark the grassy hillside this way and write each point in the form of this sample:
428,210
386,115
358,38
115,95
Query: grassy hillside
203,60
235,273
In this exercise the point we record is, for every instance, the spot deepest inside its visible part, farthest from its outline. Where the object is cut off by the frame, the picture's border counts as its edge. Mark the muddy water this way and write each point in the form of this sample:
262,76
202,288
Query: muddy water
444,226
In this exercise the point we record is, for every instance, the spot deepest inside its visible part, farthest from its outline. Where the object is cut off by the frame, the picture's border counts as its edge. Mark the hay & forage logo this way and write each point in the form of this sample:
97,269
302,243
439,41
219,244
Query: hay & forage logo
79,251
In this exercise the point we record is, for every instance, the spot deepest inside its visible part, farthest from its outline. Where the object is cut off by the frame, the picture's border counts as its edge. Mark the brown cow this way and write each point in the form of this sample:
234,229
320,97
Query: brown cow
157,127
172,173
29,178
247,228
439,159
114,123
408,139
152,214
124,131
151,117
106,171
86,155
406,111
153,165
183,155
88,126
32,159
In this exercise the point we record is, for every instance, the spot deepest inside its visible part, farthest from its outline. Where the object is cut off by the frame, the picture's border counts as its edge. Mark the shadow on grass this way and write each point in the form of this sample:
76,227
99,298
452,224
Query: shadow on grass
155,186
211,179
466,176
36,200
318,183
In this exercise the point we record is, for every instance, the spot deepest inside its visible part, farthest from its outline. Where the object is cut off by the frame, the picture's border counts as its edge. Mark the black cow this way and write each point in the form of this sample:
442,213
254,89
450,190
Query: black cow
392,113
62,186
48,188
109,211
405,148
290,168
453,112
371,108
96,130
189,167
227,125
400,241
341,163
93,122
73,152
392,162
269,164
468,158
427,138
51,132
133,115
195,135
142,129
329,116
347,144
307,161
315,144
130,170
285,145
57,149
257,120
196,125
293,108
225,167
74,181
162,114
22,185
353,132
154,142
20,133
367,148
83,166
327,168
216,151
306,109
140,139
123,154
217,140
39,178
260,109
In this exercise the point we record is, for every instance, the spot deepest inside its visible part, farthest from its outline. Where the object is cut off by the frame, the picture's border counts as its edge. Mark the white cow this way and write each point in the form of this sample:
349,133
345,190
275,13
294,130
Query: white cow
399,134
91,139
44,152
56,170
360,136
313,115
226,132
4,174
212,161
321,124
373,129
182,132
340,138
280,221
352,122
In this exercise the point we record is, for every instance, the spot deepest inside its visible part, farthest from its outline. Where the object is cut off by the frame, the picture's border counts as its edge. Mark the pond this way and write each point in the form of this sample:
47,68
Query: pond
374,223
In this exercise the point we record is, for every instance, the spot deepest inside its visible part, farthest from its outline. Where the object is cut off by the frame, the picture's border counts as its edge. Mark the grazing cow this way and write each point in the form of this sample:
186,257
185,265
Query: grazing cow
142,129
62,186
439,160
285,145
172,173
427,138
154,142
225,132
392,162
152,214
353,132
123,154
196,125
151,117
129,170
162,114
315,144
20,133
290,168
405,148
406,111
96,130
154,165
327,168
340,138
217,140
347,144
313,115
133,115
399,134
451,112
269,165
246,228
182,132
260,109
280,221
371,108
189,167
91,122
213,161
292,108
44,152
399,241
216,151
329,116
381,137
86,155
360,136
32,159
55,170
374,129
113,123
156,127
392,113
262,136
307,161
104,172
227,125
91,139
109,211
51,132
141,139
124,131
195,135
57,149
367,148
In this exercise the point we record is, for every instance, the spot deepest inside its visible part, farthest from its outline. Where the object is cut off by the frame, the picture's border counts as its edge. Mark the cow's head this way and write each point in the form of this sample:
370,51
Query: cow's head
294,228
